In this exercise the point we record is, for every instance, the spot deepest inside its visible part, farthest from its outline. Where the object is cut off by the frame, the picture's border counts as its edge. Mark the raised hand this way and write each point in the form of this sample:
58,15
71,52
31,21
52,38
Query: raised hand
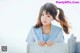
41,43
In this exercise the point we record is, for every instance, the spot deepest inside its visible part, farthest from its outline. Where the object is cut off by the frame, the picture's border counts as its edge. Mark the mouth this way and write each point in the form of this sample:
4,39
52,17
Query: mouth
44,21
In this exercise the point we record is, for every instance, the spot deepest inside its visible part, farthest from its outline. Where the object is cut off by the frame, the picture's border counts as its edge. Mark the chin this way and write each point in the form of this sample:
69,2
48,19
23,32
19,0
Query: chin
45,24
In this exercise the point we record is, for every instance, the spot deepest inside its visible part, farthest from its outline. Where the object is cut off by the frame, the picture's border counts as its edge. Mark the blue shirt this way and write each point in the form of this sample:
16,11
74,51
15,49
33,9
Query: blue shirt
56,35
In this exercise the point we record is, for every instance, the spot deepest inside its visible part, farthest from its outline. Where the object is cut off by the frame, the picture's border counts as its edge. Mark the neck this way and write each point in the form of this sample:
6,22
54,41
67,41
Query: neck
46,29
46,26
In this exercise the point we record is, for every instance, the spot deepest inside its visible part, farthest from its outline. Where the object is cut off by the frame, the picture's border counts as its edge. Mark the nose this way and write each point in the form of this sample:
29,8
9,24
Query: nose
44,17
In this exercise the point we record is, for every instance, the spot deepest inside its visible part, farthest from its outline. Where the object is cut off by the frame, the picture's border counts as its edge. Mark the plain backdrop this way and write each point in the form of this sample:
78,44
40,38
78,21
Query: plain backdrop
18,16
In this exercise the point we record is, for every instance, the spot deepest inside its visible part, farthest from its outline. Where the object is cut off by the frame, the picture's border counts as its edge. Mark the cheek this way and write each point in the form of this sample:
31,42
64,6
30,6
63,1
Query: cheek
49,20
41,19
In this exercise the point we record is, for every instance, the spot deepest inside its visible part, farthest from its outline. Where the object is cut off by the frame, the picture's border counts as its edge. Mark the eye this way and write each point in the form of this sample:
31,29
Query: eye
48,16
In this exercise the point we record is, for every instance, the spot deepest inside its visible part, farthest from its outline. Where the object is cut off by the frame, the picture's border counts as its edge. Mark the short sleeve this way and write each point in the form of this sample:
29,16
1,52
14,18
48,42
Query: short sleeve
60,37
30,37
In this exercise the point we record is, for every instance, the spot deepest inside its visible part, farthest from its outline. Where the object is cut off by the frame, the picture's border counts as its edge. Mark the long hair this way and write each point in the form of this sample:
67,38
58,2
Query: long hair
52,9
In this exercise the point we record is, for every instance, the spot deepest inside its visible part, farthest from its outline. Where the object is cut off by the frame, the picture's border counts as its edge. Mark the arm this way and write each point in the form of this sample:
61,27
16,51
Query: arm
30,37
59,38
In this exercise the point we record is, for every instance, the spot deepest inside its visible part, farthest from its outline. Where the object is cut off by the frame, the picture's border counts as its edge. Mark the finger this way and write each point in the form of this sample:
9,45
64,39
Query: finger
49,44
41,44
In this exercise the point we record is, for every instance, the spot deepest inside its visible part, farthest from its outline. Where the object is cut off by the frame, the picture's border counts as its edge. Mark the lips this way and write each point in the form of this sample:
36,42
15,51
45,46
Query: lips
44,21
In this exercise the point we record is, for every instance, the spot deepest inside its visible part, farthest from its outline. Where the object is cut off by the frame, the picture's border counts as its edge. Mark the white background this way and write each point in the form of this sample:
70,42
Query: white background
18,16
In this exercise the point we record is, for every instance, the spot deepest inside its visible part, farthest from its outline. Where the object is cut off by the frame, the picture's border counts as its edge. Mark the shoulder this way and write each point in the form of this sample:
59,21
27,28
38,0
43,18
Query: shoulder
35,29
56,27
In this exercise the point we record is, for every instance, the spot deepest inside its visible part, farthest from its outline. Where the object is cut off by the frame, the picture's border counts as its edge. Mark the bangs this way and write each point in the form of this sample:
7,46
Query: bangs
49,8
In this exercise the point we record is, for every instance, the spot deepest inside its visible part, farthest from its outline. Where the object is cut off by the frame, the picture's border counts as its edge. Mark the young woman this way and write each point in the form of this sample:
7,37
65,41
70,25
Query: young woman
44,33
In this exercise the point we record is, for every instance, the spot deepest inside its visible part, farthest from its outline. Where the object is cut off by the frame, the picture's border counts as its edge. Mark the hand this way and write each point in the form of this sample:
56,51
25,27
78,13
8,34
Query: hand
41,43
49,43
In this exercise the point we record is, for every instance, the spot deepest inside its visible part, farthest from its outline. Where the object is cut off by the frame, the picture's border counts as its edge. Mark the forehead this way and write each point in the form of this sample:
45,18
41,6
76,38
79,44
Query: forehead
45,12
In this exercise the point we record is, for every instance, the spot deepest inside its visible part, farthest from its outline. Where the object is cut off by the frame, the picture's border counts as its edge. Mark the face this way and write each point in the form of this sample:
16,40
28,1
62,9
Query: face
46,18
